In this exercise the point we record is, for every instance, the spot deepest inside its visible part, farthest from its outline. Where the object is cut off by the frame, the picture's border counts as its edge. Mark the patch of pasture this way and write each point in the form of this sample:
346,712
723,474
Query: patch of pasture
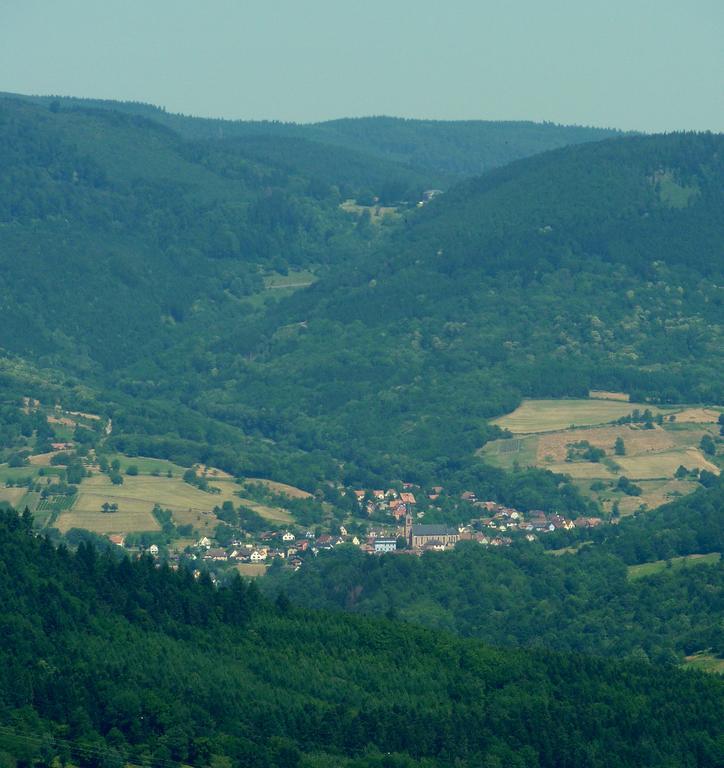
698,416
705,662
123,521
675,563
13,496
42,459
204,523
663,464
251,570
553,446
582,470
274,514
146,465
509,451
295,278
280,488
600,394
549,415
143,491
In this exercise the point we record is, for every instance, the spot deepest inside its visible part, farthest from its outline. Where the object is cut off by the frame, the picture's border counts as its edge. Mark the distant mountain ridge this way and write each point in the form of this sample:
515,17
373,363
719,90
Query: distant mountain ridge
449,147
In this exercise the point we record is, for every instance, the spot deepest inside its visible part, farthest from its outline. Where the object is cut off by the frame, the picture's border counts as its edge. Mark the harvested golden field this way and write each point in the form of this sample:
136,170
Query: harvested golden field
663,464
123,521
41,459
553,446
583,470
698,416
552,415
12,496
136,498
251,570
282,488
170,492
654,494
600,394
275,514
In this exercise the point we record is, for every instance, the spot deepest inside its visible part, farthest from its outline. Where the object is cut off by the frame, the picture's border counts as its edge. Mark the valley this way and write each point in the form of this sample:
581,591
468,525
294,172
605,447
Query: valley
373,443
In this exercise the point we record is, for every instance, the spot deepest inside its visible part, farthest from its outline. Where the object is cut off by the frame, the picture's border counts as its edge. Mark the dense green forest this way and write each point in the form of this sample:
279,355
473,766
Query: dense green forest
523,595
597,266
442,149
105,662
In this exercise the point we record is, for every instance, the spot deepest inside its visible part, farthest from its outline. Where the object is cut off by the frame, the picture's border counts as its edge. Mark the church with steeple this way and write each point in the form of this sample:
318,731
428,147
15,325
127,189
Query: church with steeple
419,536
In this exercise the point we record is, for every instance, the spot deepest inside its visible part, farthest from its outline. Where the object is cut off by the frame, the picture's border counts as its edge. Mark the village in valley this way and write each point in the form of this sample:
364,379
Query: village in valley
402,534
61,466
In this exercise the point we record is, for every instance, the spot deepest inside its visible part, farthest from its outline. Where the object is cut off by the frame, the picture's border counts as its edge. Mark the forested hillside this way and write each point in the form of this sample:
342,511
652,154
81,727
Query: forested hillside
582,601
115,230
594,267
445,149
108,662
147,269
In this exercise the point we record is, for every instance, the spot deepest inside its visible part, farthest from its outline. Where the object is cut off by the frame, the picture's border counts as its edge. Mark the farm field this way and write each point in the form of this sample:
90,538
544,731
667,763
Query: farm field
279,286
138,495
549,415
583,470
705,662
135,500
99,522
13,496
275,514
147,465
600,394
251,570
648,569
663,464
13,474
651,458
282,488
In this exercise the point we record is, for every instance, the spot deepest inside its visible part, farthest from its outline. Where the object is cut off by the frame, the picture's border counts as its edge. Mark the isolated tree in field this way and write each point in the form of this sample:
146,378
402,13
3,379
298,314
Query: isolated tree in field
708,445
681,473
106,507
132,470
619,447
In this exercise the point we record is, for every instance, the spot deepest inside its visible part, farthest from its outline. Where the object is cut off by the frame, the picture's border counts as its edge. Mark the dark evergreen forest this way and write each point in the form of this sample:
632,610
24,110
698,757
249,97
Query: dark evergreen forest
108,661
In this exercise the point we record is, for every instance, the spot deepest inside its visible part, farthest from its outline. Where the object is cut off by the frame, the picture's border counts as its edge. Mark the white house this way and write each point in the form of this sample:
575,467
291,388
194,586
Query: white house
257,556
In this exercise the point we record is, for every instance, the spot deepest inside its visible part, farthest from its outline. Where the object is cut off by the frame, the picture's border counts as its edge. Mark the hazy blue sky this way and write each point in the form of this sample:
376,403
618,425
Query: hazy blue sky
641,64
